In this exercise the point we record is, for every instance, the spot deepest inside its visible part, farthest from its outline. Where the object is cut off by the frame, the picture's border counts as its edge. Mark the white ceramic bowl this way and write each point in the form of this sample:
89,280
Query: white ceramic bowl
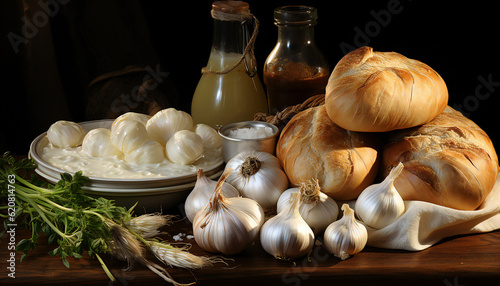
151,194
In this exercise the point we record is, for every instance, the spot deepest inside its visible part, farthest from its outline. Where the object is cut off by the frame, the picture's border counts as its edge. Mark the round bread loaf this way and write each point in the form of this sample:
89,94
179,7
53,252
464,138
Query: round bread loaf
312,146
382,91
449,161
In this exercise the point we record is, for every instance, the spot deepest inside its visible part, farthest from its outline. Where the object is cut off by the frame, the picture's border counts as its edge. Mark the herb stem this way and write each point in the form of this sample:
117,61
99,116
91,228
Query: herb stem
105,268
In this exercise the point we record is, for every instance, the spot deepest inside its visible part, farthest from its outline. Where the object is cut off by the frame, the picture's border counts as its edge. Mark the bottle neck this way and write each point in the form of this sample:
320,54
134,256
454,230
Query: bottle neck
297,35
229,37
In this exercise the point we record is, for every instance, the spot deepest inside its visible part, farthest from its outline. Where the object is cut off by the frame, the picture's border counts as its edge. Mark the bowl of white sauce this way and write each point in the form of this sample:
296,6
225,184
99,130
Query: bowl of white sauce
243,136
153,187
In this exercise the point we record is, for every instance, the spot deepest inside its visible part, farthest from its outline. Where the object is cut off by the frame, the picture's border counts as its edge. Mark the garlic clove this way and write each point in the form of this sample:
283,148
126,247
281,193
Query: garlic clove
65,134
211,139
287,236
346,236
201,193
150,152
184,147
128,135
379,205
97,143
227,225
142,118
165,123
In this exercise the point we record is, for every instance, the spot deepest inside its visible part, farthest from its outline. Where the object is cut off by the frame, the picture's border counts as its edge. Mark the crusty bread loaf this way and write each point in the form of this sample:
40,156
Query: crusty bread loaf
312,146
449,161
383,91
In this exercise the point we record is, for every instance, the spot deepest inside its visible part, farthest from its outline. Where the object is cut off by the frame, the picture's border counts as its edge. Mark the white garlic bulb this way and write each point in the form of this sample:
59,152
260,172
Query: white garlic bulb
381,204
149,152
203,190
287,235
97,143
128,135
142,118
227,225
65,134
184,147
346,236
258,176
165,123
211,139
315,207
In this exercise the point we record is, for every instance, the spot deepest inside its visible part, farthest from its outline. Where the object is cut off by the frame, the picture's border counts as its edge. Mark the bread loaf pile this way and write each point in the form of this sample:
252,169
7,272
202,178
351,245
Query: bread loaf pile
401,104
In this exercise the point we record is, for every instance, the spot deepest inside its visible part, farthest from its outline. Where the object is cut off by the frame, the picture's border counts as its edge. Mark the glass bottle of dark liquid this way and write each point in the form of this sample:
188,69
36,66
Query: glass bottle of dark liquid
296,69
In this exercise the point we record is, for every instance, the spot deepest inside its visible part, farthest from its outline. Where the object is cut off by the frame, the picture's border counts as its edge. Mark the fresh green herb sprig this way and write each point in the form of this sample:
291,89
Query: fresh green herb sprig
77,223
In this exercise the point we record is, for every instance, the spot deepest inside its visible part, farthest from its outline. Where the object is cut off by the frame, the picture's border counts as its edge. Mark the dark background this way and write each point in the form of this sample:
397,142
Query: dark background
459,41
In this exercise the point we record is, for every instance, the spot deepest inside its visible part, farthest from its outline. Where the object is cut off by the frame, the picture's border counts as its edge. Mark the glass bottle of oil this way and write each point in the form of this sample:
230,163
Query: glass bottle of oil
229,89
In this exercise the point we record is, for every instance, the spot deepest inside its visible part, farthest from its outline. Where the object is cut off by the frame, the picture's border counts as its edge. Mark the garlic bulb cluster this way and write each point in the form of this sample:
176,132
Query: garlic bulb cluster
287,235
380,204
346,236
184,147
97,143
203,190
315,207
65,134
165,123
258,176
227,225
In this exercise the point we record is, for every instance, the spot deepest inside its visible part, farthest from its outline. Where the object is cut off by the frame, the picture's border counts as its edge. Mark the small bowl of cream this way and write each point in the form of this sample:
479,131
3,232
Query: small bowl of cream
243,136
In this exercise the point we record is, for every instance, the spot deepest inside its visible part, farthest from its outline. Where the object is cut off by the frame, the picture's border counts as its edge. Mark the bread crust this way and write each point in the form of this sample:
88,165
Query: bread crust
382,91
312,146
449,161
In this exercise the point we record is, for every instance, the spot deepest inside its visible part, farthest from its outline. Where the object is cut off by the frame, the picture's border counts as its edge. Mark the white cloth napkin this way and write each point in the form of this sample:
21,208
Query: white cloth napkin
424,224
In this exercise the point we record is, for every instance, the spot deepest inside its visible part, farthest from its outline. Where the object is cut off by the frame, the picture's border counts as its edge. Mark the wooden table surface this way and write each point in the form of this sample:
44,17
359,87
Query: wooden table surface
462,260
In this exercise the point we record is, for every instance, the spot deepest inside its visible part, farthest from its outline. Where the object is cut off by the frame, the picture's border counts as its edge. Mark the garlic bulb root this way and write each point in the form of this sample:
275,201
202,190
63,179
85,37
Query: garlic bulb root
227,225
287,235
379,205
346,236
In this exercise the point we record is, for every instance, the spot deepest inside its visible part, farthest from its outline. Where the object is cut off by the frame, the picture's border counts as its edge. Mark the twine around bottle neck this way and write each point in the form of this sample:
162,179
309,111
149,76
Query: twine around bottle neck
249,49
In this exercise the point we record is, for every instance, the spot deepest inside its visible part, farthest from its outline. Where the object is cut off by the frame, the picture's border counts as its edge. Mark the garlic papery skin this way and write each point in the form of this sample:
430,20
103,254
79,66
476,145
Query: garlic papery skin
258,176
346,236
184,147
128,135
165,123
379,205
203,190
149,152
65,134
211,139
142,118
97,143
227,225
315,207
287,235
